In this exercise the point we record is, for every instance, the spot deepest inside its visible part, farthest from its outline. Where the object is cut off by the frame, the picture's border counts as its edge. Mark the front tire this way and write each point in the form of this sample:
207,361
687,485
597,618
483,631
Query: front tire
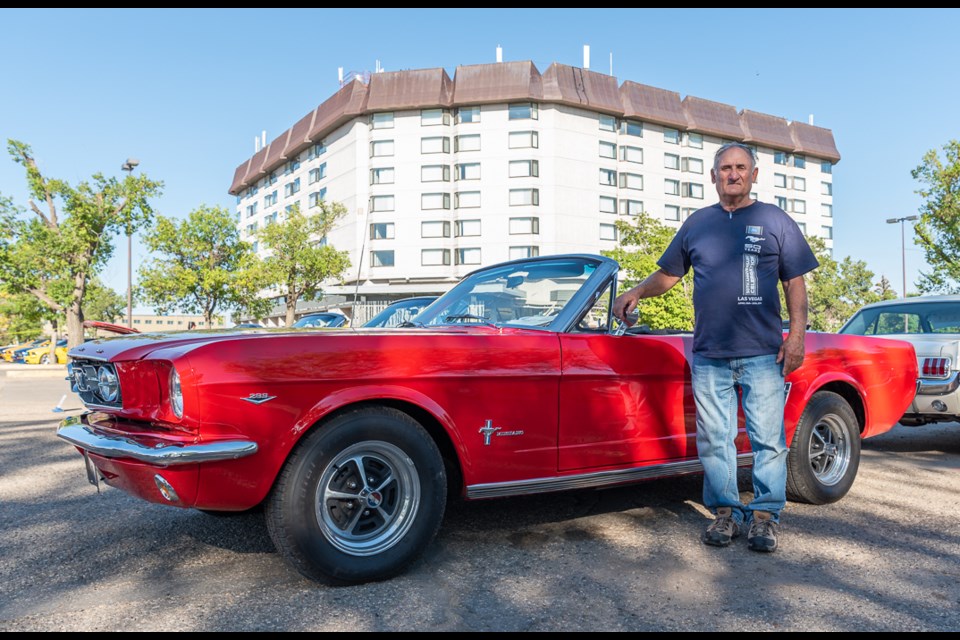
360,498
825,453
45,358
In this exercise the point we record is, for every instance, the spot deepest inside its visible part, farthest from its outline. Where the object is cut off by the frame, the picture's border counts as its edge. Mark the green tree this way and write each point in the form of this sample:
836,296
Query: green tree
103,303
66,236
641,245
938,229
202,266
300,260
21,317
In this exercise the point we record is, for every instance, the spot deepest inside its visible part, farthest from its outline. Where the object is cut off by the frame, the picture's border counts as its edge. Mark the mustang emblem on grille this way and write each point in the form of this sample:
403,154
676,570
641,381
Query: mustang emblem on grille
259,398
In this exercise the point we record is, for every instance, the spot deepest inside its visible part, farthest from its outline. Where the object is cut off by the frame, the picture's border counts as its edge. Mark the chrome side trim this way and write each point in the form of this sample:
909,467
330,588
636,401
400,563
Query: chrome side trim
594,479
928,387
160,455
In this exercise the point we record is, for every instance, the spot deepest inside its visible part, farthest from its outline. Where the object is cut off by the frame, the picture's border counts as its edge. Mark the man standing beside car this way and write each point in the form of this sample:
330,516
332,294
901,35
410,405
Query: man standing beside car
739,250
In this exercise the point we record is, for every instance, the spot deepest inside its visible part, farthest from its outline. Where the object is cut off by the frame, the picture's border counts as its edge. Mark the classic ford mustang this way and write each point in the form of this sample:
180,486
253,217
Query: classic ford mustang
517,381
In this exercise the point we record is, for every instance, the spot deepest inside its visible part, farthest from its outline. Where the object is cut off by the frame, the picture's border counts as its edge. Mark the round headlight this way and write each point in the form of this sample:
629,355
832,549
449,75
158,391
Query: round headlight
176,394
107,385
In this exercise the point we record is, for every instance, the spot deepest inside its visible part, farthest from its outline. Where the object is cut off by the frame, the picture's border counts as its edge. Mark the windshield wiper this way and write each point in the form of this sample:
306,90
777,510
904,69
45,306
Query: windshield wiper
470,316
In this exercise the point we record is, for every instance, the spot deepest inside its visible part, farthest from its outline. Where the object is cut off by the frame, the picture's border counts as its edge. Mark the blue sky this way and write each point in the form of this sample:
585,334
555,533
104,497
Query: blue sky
186,91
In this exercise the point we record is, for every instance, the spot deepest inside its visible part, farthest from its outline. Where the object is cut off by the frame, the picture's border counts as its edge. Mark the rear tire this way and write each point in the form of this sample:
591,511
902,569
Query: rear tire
825,453
360,498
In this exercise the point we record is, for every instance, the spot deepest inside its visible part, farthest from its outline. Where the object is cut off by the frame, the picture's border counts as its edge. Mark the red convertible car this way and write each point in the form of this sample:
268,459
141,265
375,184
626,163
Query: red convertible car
517,381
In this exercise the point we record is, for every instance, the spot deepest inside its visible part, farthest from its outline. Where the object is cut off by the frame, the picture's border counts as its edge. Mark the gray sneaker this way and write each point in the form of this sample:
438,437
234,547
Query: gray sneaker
723,530
762,535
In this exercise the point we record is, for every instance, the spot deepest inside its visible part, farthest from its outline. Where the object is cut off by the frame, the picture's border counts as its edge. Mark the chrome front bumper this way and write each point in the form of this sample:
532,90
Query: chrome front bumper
81,431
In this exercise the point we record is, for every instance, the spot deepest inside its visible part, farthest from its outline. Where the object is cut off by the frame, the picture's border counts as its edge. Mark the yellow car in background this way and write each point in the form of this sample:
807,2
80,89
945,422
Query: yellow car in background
9,351
41,354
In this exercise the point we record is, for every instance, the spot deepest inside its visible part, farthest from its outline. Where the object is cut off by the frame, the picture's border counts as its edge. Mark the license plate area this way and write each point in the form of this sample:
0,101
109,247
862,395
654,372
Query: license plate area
93,474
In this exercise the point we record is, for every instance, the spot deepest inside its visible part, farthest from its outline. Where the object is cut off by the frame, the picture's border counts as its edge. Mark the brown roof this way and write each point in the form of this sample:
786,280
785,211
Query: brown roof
815,141
770,131
417,89
498,82
581,88
275,155
238,177
348,103
652,104
255,167
298,135
714,118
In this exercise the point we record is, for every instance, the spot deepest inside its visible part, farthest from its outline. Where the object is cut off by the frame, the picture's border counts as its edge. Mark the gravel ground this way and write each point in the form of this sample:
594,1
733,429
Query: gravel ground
885,558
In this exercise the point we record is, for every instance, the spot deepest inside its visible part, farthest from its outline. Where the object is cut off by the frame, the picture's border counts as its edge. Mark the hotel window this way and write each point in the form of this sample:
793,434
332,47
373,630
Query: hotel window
780,157
469,171
631,128
799,161
271,179
608,150
608,123
467,200
289,209
252,209
693,140
671,161
631,181
523,111
692,190
519,226
608,232
467,228
826,188
524,168
381,231
631,207
434,117
435,173
438,144
671,187
803,227
435,229
523,140
608,177
317,197
251,228
468,114
434,257
291,166
779,180
381,148
317,174
317,150
826,210
686,212
253,191
382,175
631,154
381,120
692,165
291,188
671,212
799,184
608,204
435,201
519,253
520,197
468,256
826,166
381,203
381,258
671,136
754,196
270,219
826,232
798,206
467,143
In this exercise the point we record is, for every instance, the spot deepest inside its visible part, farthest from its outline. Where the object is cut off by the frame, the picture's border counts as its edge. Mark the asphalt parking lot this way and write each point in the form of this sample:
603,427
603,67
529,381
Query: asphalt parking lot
885,558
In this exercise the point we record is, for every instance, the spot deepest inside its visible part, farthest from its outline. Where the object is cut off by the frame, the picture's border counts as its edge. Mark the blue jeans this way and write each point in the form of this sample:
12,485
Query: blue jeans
715,382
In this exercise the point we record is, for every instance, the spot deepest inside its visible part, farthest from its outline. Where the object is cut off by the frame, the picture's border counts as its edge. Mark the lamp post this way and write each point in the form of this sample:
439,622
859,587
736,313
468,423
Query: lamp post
903,247
129,166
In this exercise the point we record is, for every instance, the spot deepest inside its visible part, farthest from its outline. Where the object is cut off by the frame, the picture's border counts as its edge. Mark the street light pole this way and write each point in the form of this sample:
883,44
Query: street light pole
903,247
129,166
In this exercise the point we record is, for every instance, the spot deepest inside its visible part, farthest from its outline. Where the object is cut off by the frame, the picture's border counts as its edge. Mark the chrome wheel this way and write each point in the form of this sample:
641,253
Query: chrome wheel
367,498
829,450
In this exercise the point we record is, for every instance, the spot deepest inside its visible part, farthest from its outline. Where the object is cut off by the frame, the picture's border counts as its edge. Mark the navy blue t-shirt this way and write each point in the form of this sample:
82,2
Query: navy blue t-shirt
738,259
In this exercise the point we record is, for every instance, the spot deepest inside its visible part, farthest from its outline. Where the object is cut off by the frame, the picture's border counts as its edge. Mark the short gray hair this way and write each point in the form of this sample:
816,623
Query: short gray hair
735,145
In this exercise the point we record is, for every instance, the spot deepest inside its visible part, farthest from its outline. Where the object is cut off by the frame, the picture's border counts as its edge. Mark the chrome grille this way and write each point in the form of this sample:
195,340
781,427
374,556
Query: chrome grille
96,383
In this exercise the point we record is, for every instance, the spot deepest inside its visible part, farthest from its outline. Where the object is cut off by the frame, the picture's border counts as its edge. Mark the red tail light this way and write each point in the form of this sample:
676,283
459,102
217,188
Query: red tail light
936,367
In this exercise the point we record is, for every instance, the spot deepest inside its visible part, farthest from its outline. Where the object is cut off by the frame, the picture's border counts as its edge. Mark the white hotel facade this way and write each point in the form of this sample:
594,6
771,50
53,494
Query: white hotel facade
441,176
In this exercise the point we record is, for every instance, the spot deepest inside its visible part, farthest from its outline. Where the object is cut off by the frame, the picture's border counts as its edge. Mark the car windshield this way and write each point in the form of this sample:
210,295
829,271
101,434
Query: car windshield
525,293
319,320
399,312
906,318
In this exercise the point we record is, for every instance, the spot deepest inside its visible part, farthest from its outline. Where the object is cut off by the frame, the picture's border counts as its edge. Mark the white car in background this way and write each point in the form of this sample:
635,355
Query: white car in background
932,325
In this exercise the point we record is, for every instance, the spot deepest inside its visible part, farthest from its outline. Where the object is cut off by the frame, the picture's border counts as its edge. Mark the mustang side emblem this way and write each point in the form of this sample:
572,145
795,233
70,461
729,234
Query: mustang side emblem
259,398
488,430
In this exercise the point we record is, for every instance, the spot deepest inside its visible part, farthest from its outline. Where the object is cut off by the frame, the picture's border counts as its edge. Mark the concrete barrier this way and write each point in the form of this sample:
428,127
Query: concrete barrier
12,370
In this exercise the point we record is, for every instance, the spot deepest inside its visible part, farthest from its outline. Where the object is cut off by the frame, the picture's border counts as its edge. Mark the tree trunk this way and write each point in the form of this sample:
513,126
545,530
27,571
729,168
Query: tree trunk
291,310
54,336
74,325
